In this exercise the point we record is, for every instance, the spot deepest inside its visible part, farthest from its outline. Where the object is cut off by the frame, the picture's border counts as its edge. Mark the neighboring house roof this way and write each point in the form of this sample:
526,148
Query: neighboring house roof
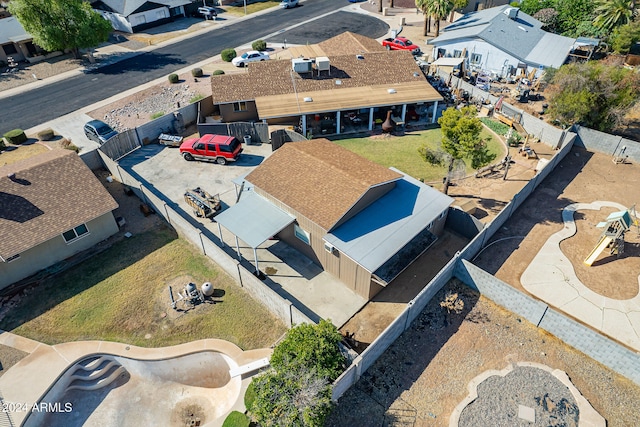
11,31
521,37
347,43
393,224
50,193
318,179
128,7
275,77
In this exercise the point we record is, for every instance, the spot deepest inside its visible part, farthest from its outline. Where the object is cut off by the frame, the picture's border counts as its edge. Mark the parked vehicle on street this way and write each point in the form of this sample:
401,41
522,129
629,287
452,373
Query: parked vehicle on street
401,43
98,131
251,56
213,148
286,4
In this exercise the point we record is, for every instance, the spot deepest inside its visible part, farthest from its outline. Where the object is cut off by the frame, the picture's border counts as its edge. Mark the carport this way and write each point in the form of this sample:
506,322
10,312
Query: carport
254,220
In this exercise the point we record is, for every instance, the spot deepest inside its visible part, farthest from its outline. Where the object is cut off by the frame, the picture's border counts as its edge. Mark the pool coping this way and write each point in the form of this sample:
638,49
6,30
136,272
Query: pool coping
28,381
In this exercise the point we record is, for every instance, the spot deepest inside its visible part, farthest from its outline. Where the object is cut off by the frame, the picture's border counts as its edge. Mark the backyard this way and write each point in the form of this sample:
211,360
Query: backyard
401,152
122,295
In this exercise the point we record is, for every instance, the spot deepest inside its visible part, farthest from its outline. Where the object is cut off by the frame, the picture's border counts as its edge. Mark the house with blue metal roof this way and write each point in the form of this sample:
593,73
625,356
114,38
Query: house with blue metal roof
501,40
362,222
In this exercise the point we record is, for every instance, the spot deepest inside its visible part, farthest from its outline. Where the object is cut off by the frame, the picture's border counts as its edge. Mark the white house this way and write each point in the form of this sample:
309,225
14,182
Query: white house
501,40
133,15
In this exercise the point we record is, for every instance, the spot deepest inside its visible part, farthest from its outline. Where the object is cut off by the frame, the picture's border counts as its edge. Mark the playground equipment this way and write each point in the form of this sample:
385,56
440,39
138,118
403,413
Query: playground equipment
612,237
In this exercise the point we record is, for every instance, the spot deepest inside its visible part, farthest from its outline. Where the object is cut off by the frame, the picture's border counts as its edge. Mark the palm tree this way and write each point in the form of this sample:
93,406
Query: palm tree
613,13
421,5
439,9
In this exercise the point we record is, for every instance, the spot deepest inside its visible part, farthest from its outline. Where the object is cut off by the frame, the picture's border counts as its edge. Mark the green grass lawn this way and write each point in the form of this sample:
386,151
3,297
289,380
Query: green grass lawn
401,152
122,293
252,7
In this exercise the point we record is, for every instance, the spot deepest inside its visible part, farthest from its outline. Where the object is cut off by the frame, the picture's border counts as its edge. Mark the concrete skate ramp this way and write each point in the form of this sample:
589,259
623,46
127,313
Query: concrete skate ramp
106,390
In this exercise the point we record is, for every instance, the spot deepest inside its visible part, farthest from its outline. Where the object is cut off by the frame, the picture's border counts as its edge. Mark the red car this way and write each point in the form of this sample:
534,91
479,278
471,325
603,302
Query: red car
401,43
214,148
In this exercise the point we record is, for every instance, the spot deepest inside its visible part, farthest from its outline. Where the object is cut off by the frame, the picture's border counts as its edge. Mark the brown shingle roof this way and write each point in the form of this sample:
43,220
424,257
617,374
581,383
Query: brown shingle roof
318,178
349,43
50,193
275,77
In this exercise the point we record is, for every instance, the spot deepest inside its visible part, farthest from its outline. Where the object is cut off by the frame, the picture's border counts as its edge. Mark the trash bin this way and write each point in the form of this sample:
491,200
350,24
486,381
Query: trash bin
247,139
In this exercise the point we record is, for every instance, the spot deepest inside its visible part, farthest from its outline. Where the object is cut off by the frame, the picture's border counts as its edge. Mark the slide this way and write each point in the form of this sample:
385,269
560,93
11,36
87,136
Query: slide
595,253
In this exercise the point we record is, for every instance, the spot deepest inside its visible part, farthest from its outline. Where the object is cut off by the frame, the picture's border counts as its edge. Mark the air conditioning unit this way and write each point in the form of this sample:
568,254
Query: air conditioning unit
301,65
329,247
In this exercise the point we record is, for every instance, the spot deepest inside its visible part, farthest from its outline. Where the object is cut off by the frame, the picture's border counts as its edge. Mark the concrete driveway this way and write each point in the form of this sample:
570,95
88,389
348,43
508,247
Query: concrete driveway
292,275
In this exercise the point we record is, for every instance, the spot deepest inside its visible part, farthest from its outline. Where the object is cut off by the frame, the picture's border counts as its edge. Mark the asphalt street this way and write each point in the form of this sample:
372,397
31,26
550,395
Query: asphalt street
40,105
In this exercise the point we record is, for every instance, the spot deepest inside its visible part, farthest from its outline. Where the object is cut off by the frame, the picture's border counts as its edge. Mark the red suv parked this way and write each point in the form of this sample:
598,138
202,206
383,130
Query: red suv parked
214,148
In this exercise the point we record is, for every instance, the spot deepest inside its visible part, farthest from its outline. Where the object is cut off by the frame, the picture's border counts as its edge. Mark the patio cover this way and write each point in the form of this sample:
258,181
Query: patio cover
447,62
253,219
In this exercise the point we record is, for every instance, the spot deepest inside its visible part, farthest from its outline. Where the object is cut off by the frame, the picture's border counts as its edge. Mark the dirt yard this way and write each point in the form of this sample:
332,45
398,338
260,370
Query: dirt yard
581,177
423,376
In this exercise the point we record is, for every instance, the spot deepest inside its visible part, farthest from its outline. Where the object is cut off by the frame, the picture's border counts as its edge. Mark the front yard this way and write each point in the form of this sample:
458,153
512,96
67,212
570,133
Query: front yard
401,152
122,295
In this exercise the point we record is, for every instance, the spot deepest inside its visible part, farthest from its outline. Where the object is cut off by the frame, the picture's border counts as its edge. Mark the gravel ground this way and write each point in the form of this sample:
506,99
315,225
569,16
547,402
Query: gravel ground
499,397
40,70
424,375
9,356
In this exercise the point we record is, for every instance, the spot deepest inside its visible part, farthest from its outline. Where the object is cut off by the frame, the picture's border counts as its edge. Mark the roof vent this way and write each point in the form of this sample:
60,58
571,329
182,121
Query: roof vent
511,12
523,28
416,74
12,176
308,99
338,82
359,56
391,90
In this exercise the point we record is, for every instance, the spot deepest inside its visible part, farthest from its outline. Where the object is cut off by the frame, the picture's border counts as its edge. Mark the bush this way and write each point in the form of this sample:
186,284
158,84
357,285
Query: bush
236,419
228,54
197,72
173,78
16,136
218,73
259,45
45,135
67,145
2,146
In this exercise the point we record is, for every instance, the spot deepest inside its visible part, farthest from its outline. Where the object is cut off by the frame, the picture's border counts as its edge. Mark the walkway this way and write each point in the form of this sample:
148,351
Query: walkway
551,277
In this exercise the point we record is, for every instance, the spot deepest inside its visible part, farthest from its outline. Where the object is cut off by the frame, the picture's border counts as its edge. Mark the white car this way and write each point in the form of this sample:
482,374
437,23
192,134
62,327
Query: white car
286,4
251,56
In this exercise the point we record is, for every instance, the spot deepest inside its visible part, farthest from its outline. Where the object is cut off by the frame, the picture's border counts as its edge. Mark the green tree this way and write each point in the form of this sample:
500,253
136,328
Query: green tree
439,10
460,140
593,94
625,36
530,7
61,24
614,13
571,14
315,347
297,390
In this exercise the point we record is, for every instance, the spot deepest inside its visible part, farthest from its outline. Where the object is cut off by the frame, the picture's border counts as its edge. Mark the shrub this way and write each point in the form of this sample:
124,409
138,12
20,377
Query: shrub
66,144
236,419
157,115
45,135
197,72
250,396
228,54
2,146
16,136
259,45
218,72
173,78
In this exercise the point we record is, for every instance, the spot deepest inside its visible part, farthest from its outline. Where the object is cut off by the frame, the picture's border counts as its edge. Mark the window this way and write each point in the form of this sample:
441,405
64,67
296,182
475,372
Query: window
13,258
240,106
9,49
476,58
211,147
457,53
199,146
75,233
301,234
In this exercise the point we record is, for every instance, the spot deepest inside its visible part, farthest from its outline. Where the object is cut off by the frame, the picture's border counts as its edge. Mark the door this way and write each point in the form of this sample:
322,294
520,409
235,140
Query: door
212,153
200,151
